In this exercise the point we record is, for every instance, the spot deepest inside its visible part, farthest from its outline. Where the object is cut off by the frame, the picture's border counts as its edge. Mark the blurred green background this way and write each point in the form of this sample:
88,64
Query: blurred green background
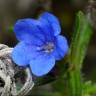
65,10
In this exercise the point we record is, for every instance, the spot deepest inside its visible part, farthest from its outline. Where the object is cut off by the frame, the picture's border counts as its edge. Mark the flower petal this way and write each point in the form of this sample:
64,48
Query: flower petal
46,29
22,53
53,21
42,65
27,30
61,47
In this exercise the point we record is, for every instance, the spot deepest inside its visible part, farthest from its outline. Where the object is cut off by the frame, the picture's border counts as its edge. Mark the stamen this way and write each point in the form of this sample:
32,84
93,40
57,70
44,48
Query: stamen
49,47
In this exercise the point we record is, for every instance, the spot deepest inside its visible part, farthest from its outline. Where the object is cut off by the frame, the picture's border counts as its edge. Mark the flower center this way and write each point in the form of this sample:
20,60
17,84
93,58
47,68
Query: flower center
48,47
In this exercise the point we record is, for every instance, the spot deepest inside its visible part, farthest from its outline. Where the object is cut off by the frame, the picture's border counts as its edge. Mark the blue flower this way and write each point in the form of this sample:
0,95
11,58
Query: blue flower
40,43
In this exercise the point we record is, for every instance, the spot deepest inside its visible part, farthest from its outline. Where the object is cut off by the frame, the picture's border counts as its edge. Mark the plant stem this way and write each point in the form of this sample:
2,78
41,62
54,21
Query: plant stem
75,82
79,45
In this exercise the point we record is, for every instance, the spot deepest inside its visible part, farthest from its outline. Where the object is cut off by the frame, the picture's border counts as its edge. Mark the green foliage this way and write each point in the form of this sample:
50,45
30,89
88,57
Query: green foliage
80,41
10,29
89,89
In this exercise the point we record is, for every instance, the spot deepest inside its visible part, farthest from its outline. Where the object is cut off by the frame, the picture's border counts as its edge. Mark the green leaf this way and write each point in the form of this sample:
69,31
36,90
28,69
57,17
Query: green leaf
80,41
10,29
89,88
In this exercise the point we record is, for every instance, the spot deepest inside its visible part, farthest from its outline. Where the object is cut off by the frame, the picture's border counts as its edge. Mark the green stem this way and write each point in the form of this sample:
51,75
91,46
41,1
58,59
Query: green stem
78,49
75,82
